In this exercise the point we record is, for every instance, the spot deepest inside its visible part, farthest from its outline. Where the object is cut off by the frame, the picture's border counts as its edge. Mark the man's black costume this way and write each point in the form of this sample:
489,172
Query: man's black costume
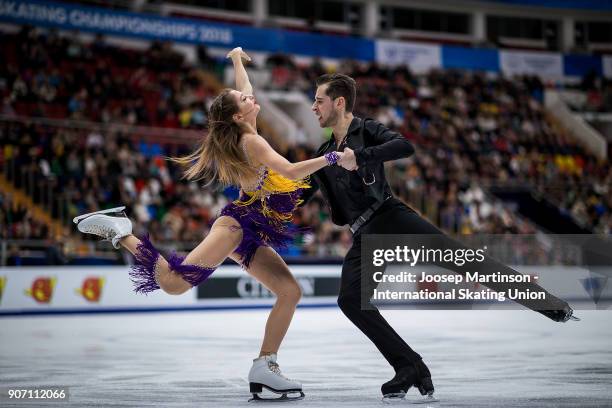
363,200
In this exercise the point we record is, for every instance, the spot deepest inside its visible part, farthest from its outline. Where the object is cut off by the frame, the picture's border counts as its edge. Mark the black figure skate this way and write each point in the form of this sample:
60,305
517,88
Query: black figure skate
417,375
560,315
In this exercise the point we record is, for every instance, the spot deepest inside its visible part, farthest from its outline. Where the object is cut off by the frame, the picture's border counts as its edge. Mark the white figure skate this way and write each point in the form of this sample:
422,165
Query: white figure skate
265,373
110,228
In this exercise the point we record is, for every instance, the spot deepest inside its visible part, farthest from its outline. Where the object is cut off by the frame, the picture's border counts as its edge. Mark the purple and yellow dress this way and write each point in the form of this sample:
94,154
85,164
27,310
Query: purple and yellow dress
264,212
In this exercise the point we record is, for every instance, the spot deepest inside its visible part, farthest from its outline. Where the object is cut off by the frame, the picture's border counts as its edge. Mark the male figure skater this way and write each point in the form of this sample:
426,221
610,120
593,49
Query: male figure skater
358,194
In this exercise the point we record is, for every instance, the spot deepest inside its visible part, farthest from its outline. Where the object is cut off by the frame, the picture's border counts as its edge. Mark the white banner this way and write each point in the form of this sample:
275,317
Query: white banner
544,64
607,65
101,288
25,288
419,57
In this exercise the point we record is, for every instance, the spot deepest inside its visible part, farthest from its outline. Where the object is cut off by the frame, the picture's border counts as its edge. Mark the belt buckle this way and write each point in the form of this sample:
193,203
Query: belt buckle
357,224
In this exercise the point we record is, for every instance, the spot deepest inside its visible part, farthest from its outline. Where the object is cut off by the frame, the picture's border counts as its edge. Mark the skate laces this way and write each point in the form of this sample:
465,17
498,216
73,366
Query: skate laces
273,366
103,231
107,232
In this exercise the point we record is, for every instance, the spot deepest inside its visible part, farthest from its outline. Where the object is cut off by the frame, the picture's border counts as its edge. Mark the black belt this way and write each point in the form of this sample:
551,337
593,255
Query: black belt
363,218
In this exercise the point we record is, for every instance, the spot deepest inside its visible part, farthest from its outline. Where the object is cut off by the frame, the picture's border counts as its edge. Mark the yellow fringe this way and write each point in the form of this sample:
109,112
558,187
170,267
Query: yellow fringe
274,183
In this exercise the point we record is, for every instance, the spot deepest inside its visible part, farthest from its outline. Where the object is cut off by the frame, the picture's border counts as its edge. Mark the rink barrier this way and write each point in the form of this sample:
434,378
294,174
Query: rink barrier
84,290
108,289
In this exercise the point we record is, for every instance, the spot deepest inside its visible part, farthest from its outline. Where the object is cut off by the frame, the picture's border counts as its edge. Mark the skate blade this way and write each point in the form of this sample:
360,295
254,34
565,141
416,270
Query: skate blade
395,398
424,400
283,398
110,210
574,318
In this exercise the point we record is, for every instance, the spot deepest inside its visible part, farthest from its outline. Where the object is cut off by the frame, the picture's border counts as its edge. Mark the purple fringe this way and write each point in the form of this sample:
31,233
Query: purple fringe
259,230
193,274
142,273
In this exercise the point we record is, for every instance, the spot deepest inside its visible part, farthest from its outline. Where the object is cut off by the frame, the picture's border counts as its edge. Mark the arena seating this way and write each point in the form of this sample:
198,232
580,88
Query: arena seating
470,131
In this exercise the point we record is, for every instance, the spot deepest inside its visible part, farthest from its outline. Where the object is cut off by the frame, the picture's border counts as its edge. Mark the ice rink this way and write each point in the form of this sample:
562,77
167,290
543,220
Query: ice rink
201,359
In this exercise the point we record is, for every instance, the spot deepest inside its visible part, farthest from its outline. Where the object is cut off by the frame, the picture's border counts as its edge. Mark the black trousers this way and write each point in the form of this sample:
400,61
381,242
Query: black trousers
396,218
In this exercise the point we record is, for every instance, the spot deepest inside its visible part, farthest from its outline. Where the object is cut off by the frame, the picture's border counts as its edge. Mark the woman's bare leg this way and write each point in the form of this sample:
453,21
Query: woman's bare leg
223,238
270,269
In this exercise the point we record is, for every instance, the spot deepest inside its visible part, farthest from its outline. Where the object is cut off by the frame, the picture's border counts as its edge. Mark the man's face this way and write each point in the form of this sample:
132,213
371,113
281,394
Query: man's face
324,107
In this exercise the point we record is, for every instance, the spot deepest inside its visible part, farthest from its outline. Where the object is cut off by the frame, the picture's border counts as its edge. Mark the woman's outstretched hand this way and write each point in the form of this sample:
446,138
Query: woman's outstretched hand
238,53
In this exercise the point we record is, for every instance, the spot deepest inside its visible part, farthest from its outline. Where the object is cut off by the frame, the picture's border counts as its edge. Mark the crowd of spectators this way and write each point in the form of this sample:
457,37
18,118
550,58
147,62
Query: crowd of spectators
45,74
470,131
598,92
17,222
91,169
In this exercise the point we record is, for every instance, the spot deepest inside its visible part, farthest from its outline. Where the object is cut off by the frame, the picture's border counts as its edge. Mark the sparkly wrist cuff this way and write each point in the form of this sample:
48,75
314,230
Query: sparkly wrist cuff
332,158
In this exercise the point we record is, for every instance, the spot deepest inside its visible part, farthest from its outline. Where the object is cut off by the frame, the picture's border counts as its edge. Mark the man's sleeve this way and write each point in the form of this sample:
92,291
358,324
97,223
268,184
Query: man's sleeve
384,145
308,193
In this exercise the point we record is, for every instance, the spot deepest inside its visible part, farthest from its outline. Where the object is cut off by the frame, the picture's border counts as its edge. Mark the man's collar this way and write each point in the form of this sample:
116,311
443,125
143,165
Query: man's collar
355,123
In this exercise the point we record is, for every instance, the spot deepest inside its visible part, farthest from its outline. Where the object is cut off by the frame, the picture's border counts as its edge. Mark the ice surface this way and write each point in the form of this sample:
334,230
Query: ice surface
201,359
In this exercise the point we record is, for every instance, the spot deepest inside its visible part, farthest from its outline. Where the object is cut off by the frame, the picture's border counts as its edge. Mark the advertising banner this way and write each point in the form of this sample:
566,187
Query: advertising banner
547,65
154,27
39,290
44,289
418,57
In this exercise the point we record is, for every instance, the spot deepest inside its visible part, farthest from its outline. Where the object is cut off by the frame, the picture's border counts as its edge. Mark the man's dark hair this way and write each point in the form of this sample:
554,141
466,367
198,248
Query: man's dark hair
340,85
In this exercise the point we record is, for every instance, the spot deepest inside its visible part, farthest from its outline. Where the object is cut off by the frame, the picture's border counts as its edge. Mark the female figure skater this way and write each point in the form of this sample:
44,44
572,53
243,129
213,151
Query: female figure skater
231,153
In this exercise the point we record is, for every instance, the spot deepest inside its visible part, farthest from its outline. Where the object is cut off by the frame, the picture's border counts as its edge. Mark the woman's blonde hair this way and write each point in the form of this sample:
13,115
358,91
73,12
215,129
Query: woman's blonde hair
219,157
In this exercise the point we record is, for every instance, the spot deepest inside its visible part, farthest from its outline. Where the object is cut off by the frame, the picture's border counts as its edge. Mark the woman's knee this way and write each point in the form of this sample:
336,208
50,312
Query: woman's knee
291,293
173,284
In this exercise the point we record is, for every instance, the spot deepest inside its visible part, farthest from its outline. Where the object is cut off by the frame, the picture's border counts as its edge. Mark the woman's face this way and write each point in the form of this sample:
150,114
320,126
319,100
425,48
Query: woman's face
247,107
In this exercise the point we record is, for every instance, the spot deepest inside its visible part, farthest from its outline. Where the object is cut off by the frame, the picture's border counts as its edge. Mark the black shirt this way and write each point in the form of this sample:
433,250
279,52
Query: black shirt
345,192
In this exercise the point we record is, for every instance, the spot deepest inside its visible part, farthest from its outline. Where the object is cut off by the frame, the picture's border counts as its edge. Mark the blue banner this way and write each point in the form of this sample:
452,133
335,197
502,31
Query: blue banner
183,30
580,65
477,59
153,27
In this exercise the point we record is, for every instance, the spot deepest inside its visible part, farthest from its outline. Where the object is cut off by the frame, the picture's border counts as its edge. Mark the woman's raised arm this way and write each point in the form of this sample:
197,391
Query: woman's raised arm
242,79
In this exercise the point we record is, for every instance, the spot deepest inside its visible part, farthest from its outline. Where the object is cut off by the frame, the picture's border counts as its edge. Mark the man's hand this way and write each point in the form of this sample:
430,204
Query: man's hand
348,160
238,53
